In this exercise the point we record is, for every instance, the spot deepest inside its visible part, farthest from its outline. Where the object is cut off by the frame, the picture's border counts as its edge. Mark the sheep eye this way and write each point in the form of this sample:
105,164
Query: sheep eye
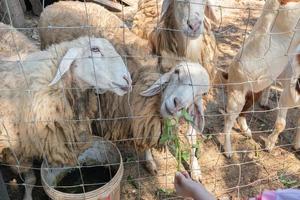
176,71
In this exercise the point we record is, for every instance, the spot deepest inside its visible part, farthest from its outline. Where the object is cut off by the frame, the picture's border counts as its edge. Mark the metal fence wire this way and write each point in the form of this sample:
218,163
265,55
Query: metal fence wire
252,168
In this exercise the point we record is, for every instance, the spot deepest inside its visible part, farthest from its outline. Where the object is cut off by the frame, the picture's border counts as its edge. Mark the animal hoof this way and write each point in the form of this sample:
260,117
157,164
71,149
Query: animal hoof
228,154
196,175
248,133
151,167
269,145
227,151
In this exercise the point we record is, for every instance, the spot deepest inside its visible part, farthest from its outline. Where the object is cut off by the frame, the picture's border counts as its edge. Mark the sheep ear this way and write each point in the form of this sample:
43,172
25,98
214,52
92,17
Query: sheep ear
65,64
196,111
165,7
157,85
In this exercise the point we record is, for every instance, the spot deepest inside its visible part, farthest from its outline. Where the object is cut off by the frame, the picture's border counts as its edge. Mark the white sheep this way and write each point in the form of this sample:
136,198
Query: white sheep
14,44
140,119
101,22
289,98
260,61
181,28
87,19
45,100
149,13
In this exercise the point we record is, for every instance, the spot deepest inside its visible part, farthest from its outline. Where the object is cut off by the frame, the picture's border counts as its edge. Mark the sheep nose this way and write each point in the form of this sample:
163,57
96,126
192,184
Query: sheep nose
125,88
194,25
173,105
177,104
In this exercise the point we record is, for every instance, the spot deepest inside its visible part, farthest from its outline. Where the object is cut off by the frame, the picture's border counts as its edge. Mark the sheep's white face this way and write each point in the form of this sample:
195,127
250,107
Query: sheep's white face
96,63
102,67
189,15
184,87
188,82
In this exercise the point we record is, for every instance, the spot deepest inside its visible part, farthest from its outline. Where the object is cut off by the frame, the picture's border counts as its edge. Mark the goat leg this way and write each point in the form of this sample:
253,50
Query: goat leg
284,104
244,126
297,138
150,163
235,103
251,98
30,181
264,100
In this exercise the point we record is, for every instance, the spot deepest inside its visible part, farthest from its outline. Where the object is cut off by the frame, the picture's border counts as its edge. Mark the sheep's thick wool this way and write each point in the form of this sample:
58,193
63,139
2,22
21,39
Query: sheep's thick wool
39,120
14,44
87,19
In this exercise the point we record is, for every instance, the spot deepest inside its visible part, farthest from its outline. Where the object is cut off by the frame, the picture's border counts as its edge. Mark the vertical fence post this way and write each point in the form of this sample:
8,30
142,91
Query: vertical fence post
12,12
37,7
3,190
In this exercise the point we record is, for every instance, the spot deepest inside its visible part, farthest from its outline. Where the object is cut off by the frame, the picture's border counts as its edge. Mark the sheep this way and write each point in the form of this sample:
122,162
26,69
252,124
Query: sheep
178,29
14,44
250,71
289,98
148,14
87,19
141,122
146,17
45,99
103,23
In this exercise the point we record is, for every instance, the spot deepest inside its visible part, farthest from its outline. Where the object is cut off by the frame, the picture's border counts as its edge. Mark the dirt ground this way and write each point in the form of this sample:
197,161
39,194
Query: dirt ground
251,169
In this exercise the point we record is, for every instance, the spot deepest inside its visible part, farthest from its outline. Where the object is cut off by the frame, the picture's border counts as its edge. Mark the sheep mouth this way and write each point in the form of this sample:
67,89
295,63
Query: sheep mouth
177,112
124,88
193,35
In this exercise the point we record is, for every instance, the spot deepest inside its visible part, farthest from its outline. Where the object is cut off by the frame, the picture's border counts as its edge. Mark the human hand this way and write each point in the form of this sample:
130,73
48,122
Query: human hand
186,187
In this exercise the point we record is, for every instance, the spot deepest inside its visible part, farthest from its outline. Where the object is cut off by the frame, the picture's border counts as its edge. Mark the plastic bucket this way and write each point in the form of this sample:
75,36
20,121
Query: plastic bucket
98,152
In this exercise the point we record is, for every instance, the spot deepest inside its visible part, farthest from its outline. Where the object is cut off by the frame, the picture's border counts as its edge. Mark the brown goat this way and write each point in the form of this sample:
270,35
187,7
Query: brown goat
284,2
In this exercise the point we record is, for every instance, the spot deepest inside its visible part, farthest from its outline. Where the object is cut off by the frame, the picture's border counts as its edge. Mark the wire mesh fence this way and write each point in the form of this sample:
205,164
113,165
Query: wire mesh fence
54,125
